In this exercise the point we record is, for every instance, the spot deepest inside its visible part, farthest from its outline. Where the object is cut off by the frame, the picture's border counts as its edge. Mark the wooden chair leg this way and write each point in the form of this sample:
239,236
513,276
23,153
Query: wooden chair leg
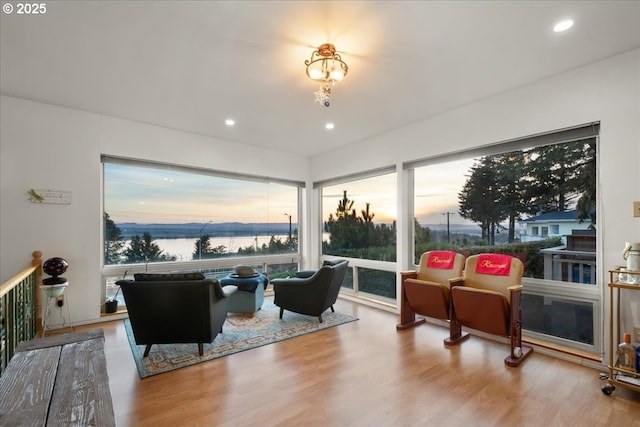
200,349
320,318
456,336
146,350
518,352
407,316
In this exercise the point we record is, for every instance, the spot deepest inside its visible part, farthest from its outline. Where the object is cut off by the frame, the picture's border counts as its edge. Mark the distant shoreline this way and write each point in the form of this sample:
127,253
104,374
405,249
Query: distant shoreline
196,230
238,229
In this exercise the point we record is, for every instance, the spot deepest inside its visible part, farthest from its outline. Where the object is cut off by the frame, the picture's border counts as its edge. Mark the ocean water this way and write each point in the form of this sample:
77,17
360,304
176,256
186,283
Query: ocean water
183,248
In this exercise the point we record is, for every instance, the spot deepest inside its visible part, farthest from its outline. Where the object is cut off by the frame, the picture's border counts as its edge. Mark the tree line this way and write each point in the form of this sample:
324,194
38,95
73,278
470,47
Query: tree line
506,187
144,249
500,190
353,234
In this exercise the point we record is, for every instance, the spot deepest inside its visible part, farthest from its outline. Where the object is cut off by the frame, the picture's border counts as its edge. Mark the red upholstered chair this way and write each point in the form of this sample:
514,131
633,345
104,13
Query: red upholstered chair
426,291
488,300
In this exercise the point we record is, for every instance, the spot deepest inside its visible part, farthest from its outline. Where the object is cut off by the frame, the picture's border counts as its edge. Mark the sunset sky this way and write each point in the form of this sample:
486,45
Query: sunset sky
149,195
146,195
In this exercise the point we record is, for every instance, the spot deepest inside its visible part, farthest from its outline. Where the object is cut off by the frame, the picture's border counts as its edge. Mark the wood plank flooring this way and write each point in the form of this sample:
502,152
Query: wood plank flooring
365,373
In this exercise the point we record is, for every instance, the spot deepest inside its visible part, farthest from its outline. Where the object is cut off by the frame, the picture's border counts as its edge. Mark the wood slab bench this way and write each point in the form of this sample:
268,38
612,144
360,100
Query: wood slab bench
58,380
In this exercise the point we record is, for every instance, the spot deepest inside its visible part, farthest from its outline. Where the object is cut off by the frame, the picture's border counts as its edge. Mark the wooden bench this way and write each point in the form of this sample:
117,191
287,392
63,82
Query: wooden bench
58,380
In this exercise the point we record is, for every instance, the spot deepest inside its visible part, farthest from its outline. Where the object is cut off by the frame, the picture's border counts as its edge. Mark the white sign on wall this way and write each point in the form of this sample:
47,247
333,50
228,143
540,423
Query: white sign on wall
54,197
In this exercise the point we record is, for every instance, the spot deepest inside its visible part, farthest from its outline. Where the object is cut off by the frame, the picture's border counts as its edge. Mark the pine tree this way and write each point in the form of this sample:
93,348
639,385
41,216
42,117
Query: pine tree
557,174
113,241
203,249
586,176
480,199
512,185
145,250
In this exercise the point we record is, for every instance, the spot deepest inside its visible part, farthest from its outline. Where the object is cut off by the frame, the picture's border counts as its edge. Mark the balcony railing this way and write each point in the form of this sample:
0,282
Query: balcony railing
278,265
19,302
569,265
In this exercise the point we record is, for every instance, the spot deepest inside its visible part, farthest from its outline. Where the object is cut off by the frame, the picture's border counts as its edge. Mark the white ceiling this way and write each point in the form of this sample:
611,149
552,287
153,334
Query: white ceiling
189,65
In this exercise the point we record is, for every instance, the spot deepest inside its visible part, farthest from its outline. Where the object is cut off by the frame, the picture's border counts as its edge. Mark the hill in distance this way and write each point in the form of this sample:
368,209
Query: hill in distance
195,229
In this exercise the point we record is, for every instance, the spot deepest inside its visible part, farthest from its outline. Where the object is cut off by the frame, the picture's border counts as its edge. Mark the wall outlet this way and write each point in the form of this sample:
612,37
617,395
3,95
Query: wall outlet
636,208
60,301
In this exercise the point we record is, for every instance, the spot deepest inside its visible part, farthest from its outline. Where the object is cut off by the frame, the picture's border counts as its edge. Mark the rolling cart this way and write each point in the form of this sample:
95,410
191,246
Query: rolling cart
618,376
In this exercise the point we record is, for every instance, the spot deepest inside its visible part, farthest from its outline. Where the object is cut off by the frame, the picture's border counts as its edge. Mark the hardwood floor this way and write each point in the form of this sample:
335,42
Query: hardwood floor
365,373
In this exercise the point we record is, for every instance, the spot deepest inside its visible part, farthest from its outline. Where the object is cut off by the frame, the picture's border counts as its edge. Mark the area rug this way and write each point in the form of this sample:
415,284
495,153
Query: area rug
240,332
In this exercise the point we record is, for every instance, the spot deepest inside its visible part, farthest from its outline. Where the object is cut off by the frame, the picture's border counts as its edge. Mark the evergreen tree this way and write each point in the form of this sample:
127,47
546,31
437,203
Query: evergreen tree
343,228
369,228
350,232
203,249
556,174
422,234
480,199
586,177
542,179
113,241
512,188
145,250
344,206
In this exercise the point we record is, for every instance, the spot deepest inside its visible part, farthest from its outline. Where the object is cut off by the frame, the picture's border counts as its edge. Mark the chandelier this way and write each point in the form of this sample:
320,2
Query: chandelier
325,67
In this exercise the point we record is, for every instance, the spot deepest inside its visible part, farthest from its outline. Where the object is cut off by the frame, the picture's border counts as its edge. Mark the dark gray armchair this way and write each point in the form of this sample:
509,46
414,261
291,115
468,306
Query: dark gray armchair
175,308
310,292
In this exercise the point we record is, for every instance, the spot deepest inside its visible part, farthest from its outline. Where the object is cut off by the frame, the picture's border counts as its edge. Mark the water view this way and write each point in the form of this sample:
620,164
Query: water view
184,248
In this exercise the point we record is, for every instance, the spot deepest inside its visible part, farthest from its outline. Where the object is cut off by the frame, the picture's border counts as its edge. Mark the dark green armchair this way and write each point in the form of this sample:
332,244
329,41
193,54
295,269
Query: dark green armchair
175,308
310,292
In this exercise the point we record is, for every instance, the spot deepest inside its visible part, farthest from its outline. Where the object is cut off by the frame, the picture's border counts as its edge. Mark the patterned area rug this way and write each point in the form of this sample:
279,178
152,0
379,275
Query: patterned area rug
240,332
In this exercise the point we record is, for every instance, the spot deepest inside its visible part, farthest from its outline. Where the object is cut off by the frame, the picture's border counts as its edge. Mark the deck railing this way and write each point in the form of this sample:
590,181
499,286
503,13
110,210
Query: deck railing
19,309
569,265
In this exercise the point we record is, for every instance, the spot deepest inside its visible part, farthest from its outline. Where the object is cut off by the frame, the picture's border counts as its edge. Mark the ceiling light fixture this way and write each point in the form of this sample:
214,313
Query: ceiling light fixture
325,67
563,25
229,122
329,126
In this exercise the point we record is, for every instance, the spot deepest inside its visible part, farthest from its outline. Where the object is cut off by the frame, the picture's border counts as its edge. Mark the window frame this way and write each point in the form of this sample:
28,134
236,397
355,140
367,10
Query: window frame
358,263
109,271
593,294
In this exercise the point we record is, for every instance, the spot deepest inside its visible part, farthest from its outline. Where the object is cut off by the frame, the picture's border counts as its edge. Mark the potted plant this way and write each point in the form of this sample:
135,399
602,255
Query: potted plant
111,304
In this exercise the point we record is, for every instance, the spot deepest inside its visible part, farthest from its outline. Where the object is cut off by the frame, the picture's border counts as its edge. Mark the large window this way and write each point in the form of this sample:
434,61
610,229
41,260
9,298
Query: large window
166,218
359,223
155,213
534,199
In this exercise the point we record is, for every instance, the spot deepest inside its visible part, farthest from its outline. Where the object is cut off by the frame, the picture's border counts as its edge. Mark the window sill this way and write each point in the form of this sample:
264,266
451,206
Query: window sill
566,353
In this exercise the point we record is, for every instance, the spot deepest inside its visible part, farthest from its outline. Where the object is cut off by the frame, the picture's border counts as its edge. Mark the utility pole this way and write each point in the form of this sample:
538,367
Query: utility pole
448,214
286,214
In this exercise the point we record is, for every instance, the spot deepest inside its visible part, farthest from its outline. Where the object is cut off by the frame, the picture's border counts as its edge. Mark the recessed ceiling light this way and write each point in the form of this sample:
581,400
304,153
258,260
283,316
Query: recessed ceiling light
329,126
229,122
563,25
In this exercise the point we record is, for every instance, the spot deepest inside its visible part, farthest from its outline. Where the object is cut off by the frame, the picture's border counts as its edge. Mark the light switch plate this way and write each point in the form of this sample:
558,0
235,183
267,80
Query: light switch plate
636,208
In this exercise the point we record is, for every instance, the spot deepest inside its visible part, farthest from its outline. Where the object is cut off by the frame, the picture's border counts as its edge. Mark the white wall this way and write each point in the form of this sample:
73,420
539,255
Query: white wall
607,91
48,147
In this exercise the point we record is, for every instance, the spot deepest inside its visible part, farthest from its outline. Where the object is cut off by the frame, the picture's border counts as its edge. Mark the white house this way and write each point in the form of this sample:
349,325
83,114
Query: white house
551,224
